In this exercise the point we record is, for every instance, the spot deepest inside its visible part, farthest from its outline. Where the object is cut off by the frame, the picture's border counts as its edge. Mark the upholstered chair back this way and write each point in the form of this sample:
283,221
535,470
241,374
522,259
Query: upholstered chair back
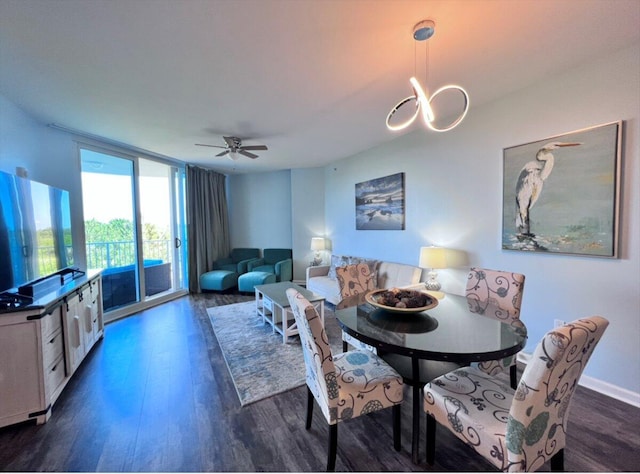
537,423
237,260
355,279
239,254
273,256
496,294
496,289
318,360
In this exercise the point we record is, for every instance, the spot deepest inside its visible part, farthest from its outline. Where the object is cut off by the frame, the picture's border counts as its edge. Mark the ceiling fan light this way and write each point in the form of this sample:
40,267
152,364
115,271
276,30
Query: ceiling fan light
233,155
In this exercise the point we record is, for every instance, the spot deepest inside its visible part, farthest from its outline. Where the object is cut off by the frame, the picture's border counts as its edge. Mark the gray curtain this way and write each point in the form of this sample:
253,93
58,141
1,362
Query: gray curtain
207,222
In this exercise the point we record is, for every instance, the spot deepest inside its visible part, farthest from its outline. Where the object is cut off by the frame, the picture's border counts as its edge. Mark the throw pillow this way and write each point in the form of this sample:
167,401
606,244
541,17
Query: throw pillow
372,264
355,279
337,261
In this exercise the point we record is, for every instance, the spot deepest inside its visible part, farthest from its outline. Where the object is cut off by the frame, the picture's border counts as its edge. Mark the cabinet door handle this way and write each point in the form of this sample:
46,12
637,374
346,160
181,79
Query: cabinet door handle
87,319
76,323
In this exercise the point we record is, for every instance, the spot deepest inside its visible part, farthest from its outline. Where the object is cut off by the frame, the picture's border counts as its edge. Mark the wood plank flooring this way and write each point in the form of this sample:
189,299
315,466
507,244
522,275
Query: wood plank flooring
156,395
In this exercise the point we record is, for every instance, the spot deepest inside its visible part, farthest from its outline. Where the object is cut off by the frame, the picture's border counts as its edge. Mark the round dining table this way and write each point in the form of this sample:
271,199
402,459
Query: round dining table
455,332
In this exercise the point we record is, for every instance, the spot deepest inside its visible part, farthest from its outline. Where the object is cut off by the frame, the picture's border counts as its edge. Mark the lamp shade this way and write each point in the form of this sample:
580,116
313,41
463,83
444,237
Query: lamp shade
318,243
433,257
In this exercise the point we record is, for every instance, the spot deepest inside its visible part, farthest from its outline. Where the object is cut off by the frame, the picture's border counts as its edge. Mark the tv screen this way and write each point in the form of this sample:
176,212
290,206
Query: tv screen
35,231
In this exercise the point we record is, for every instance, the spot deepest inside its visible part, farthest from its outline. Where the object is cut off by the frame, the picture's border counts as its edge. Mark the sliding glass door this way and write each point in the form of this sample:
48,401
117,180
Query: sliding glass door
134,228
161,210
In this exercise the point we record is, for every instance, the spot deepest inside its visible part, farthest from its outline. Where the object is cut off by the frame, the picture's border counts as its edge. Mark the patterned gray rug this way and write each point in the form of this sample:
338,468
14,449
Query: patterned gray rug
259,363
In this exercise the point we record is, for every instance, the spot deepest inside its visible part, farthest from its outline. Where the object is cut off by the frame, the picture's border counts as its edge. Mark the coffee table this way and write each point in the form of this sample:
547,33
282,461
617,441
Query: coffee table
272,304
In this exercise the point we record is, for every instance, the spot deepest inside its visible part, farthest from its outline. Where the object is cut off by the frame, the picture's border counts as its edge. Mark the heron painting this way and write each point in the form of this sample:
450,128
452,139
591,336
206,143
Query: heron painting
561,194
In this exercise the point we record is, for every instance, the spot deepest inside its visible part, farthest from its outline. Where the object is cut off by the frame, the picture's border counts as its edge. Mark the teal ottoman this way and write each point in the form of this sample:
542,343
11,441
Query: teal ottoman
248,281
219,280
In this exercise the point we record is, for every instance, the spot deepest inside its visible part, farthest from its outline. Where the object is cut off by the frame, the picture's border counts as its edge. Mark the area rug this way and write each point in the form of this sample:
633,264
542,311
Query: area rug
259,363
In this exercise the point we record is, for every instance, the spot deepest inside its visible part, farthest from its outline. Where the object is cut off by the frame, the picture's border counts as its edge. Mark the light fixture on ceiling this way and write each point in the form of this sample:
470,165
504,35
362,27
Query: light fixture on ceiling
422,32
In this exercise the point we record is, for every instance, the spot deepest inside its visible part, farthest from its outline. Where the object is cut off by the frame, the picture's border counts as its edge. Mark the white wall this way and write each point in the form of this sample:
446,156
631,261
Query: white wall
49,156
454,199
260,210
307,216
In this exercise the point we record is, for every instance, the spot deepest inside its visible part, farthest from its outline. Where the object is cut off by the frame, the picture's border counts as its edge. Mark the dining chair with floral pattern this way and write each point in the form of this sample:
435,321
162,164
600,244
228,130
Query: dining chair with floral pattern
353,280
347,385
516,430
497,294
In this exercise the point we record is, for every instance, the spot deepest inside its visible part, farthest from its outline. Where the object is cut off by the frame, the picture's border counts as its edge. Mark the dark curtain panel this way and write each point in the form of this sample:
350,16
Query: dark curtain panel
207,222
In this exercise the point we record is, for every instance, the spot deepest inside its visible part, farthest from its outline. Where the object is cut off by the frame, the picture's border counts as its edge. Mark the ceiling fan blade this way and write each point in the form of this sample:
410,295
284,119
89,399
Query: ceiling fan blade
254,147
247,154
222,153
213,146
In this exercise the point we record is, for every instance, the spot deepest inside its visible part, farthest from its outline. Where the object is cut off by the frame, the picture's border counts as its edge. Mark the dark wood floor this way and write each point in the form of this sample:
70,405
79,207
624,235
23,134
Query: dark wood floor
155,395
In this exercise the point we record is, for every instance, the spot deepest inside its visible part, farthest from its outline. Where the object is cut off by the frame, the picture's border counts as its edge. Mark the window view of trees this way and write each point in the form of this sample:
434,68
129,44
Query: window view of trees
111,245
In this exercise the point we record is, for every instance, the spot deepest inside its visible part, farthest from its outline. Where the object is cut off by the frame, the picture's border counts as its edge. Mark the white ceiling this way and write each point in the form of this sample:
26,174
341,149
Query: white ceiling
311,79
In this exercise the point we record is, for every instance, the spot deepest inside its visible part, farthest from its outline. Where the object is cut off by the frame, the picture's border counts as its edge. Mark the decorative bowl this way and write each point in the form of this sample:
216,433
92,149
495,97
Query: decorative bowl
376,298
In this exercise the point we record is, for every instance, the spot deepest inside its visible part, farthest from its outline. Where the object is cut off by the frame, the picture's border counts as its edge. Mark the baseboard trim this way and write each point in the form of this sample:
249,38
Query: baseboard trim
605,388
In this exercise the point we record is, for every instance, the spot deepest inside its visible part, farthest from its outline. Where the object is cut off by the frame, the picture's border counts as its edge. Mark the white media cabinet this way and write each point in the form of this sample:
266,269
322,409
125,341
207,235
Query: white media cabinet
43,344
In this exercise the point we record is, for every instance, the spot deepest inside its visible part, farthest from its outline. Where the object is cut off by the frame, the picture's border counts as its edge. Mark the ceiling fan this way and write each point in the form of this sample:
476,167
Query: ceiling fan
234,148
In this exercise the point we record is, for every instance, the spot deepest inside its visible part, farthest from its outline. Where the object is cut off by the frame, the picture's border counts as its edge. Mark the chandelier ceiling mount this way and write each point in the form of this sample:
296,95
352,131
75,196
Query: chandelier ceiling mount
422,31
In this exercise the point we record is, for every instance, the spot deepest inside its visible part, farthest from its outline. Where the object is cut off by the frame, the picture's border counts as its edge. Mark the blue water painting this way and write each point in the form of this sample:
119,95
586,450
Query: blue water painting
572,206
380,203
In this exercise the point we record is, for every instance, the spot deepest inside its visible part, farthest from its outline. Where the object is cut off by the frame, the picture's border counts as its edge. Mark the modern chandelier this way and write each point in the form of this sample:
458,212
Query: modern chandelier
422,32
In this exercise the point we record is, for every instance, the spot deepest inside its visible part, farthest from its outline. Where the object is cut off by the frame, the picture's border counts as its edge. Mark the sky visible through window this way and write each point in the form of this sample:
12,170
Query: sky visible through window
107,197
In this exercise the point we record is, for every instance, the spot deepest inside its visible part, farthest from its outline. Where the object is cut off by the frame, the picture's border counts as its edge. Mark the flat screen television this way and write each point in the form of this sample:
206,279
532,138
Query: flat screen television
35,231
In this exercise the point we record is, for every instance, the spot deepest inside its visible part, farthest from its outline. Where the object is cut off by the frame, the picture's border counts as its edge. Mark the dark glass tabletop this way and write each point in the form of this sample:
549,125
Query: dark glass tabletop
449,332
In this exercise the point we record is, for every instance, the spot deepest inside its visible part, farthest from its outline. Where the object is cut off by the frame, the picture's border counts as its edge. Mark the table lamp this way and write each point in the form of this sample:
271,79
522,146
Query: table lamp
432,258
318,244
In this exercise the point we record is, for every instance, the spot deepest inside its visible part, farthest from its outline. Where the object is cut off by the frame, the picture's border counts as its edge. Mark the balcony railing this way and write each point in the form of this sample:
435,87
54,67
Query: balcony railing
119,254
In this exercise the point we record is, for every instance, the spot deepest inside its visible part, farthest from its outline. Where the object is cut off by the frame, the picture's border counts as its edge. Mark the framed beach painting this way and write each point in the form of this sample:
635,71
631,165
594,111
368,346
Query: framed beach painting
380,203
560,194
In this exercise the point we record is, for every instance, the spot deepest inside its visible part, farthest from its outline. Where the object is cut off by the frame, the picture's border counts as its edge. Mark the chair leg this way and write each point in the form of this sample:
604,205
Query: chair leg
397,427
513,371
309,408
333,445
345,346
557,461
431,439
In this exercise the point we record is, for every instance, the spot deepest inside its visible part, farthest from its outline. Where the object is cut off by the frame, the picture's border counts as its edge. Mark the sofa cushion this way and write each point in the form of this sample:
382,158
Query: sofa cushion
388,275
391,275
325,286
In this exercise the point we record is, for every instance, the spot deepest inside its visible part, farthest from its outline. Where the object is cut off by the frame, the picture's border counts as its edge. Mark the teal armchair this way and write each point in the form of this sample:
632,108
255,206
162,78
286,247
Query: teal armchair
276,261
238,260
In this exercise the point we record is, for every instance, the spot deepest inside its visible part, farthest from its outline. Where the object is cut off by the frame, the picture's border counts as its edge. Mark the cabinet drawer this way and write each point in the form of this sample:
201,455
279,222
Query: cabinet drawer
267,303
52,347
54,376
51,322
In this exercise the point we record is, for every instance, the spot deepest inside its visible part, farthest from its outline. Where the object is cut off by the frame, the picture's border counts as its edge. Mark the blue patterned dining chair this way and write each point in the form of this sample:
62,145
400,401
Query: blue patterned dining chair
353,280
346,385
516,430
497,294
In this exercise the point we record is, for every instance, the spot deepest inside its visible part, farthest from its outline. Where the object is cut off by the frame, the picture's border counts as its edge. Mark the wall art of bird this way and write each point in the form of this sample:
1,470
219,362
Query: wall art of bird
530,182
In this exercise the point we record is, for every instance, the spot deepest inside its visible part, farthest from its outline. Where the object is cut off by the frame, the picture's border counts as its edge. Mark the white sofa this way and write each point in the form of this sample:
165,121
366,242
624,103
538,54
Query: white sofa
322,281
